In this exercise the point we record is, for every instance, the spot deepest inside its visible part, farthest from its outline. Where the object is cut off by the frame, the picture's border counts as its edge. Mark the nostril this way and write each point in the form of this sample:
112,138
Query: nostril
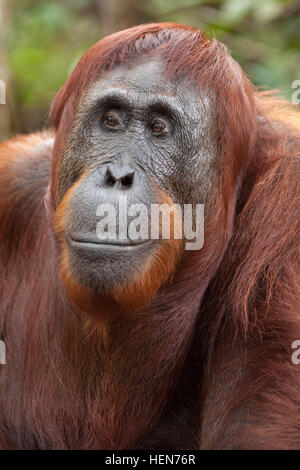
127,180
110,180
120,177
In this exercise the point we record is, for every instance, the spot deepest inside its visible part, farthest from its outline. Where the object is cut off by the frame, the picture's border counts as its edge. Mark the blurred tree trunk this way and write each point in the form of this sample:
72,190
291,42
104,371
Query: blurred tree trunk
4,76
115,15
106,13
129,14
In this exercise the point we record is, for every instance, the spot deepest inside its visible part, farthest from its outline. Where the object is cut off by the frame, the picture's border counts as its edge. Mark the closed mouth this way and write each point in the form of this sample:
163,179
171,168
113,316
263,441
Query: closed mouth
93,242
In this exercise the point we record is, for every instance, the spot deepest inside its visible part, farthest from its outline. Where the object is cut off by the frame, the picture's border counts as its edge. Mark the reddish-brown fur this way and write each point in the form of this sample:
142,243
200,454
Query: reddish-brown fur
207,363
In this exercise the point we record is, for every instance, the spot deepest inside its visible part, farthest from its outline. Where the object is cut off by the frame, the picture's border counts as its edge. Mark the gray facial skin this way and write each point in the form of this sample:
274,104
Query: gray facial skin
133,123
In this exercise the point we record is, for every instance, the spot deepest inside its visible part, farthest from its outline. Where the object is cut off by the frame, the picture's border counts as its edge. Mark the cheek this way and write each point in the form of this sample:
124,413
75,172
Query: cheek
70,171
185,166
63,215
162,163
197,177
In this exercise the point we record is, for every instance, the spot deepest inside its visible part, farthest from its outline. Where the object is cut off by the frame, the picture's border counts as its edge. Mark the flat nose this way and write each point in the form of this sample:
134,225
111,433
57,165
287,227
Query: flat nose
120,176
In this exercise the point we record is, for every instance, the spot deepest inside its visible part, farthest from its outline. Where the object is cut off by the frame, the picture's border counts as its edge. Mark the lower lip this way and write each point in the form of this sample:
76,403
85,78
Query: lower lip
107,245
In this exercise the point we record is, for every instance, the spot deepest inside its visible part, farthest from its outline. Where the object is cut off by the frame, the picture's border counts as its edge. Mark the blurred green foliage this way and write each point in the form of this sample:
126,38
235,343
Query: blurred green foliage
263,36
45,39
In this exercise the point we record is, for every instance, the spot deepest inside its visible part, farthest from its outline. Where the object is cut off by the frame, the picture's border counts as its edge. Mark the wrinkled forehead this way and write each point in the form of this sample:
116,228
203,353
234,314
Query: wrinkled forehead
143,81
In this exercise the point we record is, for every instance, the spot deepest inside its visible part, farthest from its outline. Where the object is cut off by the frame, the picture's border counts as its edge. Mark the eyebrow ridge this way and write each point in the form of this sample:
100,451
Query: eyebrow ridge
121,97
